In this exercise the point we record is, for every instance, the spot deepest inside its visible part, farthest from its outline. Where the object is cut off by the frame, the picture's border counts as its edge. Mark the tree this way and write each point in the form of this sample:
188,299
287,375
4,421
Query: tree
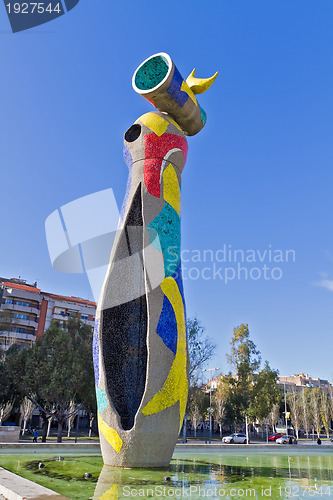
26,408
197,405
306,414
5,410
315,410
72,415
11,372
252,392
6,320
245,357
296,413
264,393
220,400
325,409
245,360
274,415
90,406
59,371
200,347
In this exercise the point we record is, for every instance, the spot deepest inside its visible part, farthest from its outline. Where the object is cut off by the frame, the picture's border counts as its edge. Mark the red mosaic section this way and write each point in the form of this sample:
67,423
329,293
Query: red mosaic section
156,148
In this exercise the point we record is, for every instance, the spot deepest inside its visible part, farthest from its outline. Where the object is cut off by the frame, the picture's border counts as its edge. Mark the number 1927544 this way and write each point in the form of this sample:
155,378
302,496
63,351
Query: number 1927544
33,8
305,491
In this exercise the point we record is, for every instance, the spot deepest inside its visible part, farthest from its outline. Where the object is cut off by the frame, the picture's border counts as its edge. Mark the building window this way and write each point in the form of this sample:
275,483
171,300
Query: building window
72,314
19,330
8,301
21,316
84,316
25,304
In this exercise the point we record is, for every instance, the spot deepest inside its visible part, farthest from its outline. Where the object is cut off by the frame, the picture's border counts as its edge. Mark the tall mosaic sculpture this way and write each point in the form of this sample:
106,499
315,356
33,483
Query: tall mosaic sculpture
140,346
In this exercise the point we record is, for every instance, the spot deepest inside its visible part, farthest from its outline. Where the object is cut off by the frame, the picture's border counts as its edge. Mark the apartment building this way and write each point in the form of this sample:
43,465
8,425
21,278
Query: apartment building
26,311
21,304
62,308
295,383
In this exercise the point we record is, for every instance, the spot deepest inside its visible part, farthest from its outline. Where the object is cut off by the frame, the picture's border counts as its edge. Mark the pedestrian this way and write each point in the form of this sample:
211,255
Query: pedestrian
319,441
35,436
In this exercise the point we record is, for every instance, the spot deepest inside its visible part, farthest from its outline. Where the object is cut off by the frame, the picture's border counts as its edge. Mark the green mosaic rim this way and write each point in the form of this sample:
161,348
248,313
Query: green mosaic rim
152,73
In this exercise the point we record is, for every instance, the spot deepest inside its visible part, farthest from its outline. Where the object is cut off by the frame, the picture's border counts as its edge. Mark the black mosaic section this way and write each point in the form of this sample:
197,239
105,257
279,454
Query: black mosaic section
125,356
124,333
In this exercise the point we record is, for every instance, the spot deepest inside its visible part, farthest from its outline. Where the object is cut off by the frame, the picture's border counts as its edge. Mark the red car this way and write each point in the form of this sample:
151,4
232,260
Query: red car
274,437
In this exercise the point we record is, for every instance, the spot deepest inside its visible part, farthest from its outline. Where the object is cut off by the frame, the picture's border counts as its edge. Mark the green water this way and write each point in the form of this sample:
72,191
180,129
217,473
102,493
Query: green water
227,474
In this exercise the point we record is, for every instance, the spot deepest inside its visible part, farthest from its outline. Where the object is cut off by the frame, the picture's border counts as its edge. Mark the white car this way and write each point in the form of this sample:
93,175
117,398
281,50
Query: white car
286,440
235,438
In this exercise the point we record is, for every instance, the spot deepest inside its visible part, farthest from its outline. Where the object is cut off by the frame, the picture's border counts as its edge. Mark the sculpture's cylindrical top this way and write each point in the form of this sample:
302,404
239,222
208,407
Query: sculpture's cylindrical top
158,80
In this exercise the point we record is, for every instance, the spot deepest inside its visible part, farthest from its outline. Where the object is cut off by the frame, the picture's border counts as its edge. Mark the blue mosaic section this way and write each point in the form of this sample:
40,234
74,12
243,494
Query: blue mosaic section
96,353
203,115
129,162
167,324
102,401
167,226
174,91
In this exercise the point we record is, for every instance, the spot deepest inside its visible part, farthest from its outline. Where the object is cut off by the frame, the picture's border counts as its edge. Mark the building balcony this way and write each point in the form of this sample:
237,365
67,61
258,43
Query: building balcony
17,294
60,317
18,336
20,308
24,322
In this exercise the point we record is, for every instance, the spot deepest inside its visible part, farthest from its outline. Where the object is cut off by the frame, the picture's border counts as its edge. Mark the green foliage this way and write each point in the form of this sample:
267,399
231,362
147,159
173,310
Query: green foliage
244,358
248,390
264,393
11,371
59,371
6,320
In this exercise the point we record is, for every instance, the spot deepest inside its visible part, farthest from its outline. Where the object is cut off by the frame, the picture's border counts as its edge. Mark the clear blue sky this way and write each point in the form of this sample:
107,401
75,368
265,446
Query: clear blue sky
259,174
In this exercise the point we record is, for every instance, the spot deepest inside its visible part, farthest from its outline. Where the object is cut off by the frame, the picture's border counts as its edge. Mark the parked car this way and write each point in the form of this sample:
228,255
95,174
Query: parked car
235,438
275,436
286,439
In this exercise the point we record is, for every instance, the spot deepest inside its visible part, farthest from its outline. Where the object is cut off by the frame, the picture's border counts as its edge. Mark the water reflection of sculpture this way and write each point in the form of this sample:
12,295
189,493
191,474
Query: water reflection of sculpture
140,347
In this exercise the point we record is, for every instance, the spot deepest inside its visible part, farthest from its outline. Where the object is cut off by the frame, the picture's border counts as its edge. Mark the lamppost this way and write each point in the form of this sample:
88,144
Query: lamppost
210,403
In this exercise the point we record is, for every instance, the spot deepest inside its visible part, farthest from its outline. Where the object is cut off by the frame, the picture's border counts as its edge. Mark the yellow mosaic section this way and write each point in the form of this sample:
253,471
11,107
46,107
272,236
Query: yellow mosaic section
200,85
111,494
171,189
110,435
157,123
186,88
175,387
